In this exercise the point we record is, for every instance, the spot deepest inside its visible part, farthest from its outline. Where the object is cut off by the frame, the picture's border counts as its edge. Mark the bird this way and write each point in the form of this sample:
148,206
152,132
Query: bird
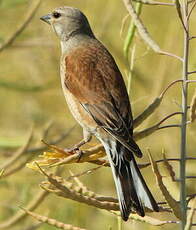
97,97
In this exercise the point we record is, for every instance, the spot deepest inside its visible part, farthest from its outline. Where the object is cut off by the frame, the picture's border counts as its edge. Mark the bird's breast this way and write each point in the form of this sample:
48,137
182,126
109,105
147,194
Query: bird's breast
77,110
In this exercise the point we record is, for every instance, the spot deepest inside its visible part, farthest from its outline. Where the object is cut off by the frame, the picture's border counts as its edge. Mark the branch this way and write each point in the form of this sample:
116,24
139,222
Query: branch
25,88
153,106
52,222
18,167
191,10
60,156
192,72
131,31
151,2
32,10
143,31
29,157
60,138
138,135
162,160
21,215
170,200
178,8
193,108
192,37
18,153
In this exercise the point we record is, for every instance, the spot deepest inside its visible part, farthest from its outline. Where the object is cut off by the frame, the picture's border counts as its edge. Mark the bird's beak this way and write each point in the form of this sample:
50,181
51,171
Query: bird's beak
46,18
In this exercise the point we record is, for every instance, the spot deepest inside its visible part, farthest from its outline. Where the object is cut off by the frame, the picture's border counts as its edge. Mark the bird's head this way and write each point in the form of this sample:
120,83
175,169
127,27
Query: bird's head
68,21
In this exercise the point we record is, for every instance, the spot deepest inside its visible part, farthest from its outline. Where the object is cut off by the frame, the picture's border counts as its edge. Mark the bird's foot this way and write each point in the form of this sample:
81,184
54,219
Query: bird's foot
74,150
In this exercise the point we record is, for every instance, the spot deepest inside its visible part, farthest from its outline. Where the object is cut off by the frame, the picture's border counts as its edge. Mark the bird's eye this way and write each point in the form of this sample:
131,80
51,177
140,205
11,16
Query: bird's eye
56,15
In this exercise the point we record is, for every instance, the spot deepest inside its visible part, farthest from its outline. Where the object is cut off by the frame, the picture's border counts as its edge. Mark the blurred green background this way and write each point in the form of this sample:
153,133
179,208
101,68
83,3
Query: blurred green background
33,61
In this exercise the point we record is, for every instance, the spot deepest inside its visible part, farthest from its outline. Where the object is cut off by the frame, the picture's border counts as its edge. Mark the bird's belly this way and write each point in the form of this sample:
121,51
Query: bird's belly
79,113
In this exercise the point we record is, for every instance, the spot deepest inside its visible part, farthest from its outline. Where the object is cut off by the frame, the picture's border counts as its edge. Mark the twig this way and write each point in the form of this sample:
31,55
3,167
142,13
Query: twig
32,10
192,37
191,10
170,200
131,31
190,216
162,160
191,81
193,108
153,106
178,8
169,126
21,215
123,24
18,167
50,221
169,116
33,226
25,88
30,156
192,72
19,153
170,85
143,31
148,131
73,176
147,111
151,2
52,142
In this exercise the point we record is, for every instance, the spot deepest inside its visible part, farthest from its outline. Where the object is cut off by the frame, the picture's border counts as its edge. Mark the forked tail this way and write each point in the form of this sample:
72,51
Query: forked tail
133,193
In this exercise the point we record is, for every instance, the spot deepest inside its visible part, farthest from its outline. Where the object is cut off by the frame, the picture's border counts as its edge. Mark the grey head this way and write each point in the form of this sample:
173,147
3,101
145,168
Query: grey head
68,22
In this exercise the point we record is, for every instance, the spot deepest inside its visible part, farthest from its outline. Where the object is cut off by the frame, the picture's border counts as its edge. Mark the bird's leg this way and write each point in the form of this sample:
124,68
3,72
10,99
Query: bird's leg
86,138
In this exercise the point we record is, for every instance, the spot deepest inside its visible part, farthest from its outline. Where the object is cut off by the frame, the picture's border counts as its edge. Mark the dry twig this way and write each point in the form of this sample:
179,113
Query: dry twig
170,200
51,222
32,10
143,31
21,215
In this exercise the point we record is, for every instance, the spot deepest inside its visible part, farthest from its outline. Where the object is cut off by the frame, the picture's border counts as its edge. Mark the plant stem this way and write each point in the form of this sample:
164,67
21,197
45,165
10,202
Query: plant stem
131,31
183,203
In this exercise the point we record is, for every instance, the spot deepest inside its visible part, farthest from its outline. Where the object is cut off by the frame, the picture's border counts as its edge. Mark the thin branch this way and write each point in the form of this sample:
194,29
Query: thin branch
32,10
153,106
193,108
18,153
151,2
143,31
168,197
24,87
192,37
60,138
131,31
191,81
170,55
178,8
171,84
29,157
190,177
21,215
192,72
162,160
50,221
169,116
191,10
18,167
170,126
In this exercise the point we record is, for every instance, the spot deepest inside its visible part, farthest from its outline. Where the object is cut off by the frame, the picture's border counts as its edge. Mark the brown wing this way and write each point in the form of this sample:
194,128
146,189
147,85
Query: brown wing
93,77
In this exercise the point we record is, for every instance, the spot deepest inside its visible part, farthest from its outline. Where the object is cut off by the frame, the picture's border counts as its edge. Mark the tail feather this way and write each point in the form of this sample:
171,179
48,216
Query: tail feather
133,193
